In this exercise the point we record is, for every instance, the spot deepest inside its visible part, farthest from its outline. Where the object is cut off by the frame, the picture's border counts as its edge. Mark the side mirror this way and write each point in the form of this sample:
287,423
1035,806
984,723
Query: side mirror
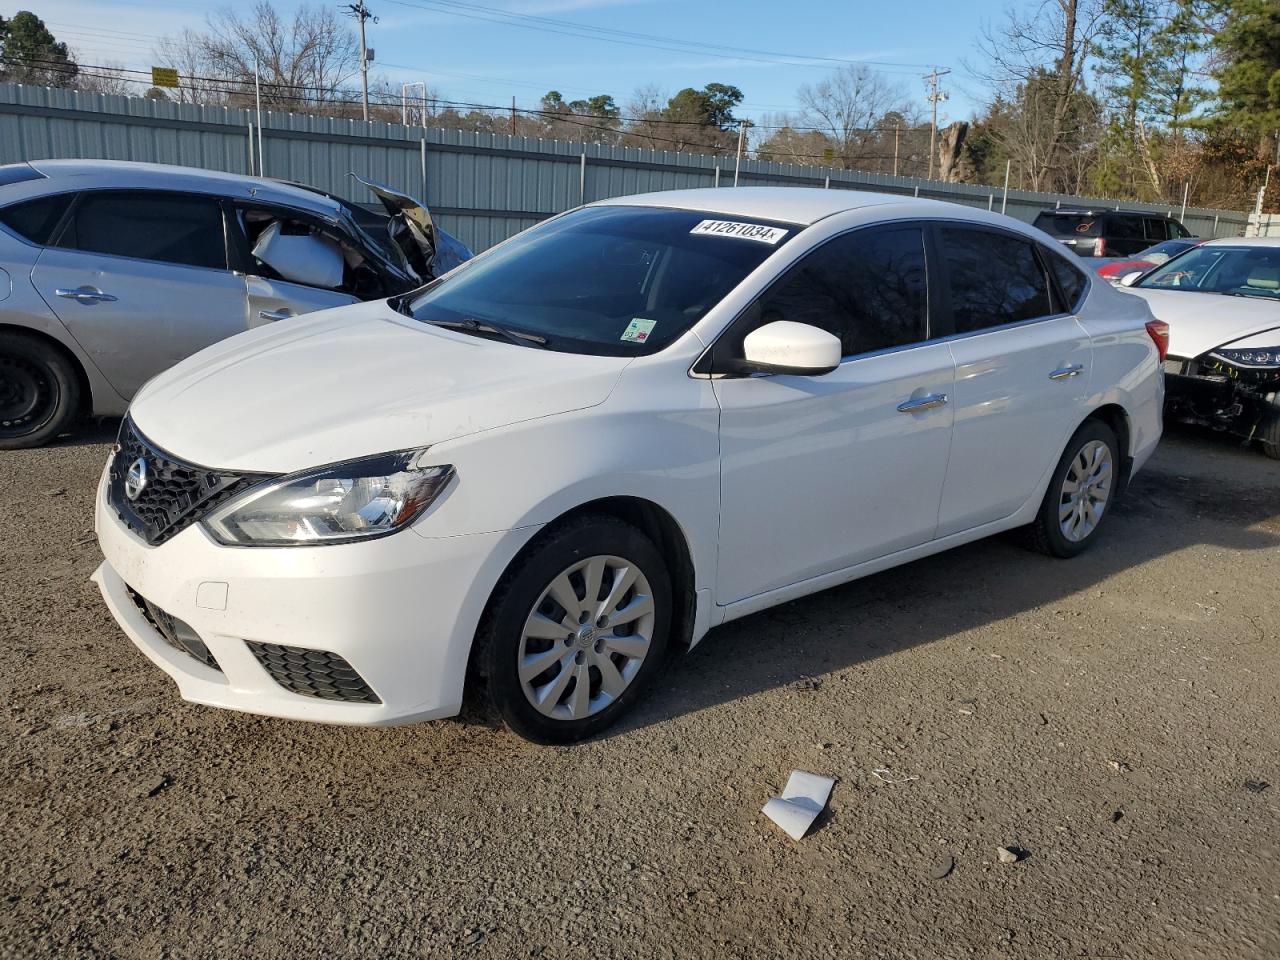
1129,279
785,346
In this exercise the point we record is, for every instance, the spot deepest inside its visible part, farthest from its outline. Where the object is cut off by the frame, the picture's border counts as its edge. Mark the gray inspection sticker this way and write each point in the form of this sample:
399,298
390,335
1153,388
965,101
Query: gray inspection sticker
747,231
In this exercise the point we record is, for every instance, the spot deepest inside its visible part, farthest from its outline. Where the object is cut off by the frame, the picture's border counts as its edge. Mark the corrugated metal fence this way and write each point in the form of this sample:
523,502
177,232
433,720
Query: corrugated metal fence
483,187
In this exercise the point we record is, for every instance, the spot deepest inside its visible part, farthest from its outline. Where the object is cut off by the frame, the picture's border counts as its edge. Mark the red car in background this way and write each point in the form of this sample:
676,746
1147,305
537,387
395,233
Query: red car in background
1113,270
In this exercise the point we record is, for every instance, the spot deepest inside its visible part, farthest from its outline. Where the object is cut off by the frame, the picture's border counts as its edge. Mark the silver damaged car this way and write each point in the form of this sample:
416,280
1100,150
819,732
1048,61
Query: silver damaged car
111,272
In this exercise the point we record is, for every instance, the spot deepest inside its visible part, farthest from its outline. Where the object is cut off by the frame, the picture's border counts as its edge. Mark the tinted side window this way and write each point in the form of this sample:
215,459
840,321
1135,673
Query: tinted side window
868,288
1156,230
1071,281
1178,230
170,228
34,220
993,278
1125,228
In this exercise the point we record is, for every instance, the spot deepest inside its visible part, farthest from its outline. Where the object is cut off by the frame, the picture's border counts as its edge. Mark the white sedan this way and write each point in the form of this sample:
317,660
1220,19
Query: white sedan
1222,303
541,473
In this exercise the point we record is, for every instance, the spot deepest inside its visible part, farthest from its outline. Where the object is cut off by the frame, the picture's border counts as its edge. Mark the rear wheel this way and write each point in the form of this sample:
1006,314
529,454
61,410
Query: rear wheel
576,631
1081,492
39,392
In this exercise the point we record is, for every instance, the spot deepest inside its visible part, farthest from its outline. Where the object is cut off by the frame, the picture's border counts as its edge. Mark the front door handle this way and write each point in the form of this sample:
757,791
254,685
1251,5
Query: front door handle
1067,372
281,314
920,404
85,295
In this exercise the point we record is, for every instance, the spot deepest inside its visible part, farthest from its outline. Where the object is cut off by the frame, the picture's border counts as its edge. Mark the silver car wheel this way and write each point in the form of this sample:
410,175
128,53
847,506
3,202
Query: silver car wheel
1086,490
586,638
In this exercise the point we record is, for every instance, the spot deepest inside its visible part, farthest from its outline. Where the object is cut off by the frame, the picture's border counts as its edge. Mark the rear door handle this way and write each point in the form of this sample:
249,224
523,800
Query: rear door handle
281,314
920,404
85,295
1067,372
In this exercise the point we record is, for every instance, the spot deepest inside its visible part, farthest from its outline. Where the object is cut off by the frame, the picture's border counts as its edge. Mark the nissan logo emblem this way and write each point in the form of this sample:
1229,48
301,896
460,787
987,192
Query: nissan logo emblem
137,478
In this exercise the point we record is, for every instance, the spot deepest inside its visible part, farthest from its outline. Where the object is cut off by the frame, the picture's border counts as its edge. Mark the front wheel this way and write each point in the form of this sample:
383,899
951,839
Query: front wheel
1269,432
1081,492
576,630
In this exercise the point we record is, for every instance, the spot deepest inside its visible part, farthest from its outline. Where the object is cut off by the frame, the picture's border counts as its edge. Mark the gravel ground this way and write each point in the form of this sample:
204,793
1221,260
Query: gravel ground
1113,717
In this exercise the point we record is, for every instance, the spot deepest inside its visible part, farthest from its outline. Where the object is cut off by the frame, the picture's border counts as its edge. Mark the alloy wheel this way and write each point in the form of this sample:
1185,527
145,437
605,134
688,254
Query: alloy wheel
1086,491
586,638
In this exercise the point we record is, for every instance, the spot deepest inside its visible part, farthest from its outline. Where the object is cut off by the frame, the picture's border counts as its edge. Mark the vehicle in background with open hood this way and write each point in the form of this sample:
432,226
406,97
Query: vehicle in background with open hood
1221,301
112,272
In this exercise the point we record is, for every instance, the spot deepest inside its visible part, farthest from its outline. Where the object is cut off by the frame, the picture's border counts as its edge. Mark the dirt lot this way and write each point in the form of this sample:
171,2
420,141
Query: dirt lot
1113,716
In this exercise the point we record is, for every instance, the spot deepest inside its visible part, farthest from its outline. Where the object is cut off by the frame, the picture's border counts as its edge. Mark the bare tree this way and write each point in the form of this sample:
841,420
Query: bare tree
303,57
850,108
1044,52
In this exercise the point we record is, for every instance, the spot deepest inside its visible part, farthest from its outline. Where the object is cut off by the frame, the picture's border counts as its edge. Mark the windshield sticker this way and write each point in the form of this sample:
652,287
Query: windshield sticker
638,330
747,231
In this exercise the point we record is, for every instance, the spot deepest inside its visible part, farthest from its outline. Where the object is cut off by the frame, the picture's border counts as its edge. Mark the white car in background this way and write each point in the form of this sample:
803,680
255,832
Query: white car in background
606,436
1222,303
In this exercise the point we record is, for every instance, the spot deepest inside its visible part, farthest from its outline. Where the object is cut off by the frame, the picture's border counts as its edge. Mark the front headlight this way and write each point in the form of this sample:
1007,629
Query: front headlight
346,501
1256,357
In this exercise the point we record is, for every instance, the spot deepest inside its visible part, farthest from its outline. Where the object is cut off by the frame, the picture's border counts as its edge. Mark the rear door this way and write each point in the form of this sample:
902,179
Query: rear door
140,278
821,473
1022,372
1125,234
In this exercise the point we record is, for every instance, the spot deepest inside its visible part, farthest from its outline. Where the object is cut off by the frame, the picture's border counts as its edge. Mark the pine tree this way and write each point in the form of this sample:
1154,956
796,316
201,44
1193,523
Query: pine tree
29,53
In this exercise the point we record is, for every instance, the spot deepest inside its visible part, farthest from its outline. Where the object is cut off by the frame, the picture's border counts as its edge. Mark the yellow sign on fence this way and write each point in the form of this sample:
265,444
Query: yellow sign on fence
164,77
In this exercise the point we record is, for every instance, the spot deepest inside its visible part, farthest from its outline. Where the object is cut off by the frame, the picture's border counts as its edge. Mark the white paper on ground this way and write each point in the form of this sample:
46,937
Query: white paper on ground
801,802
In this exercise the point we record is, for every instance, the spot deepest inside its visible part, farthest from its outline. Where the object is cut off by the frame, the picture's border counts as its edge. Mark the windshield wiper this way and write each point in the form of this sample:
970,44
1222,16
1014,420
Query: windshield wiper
472,325
1251,296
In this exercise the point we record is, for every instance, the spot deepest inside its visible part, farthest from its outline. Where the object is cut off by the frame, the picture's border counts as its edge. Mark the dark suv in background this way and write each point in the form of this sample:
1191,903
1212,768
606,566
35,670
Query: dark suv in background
1109,233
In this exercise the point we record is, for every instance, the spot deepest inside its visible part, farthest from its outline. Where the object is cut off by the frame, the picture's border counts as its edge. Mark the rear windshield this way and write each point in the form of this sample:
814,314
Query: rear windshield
1235,271
1069,224
611,281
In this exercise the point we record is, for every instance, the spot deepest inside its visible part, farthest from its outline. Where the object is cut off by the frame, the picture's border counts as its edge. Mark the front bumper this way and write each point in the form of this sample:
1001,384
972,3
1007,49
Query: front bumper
401,611
1208,392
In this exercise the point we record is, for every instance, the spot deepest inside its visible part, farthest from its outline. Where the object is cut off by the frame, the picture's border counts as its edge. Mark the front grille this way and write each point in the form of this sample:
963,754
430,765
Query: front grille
313,673
176,633
176,494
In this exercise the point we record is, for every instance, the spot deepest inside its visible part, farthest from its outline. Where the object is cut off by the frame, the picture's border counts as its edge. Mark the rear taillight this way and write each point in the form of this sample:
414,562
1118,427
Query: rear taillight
1159,331
1100,248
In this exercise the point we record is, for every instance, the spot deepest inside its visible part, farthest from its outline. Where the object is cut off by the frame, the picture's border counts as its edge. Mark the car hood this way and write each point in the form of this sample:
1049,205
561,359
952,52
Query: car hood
1198,322
351,382
431,252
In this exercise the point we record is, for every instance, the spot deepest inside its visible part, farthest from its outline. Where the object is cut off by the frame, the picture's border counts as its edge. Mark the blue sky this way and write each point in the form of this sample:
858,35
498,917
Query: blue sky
473,60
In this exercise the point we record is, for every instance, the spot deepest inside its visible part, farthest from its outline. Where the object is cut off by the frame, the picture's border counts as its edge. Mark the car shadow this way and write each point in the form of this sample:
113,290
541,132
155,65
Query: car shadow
1195,492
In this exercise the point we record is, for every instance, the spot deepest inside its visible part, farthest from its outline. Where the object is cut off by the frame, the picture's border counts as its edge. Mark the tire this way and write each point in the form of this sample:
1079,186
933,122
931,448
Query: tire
39,392
1092,456
525,622
1269,430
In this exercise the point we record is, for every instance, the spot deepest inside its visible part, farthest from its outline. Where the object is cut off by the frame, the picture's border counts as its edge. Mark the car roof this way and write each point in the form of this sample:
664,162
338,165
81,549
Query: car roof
804,206
1243,242
128,174
800,205
1085,212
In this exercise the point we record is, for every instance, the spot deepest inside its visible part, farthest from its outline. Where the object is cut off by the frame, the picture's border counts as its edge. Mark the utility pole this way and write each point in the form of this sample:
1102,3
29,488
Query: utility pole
513,116
897,132
742,136
935,94
361,14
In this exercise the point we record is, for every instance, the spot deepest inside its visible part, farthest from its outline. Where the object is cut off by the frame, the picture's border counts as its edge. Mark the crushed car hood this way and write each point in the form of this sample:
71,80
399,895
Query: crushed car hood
431,252
351,382
1198,322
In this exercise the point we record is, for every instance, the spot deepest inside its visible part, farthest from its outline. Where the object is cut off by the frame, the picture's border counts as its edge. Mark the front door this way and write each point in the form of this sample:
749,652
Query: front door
140,279
821,473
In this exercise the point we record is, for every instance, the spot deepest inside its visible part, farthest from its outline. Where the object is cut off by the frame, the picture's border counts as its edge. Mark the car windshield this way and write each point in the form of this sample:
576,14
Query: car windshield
1235,271
1163,251
611,280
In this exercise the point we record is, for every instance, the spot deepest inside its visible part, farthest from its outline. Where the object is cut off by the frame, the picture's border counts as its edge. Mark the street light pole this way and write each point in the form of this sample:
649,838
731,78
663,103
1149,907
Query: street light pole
737,163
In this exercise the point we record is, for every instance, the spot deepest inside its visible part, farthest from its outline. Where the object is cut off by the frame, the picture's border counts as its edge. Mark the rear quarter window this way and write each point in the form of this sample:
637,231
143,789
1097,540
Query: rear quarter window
1071,280
35,220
